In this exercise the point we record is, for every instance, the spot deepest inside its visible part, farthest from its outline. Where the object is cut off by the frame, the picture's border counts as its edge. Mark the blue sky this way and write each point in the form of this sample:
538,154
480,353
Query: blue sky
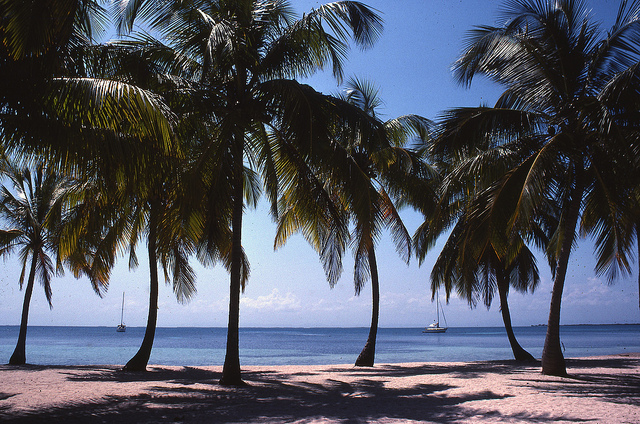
411,66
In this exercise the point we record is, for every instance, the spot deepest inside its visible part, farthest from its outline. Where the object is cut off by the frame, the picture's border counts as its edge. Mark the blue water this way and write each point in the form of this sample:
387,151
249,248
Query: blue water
306,346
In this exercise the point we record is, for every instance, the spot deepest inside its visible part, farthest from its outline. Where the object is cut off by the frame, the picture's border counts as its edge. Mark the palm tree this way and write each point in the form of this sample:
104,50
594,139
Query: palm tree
34,209
477,260
168,244
153,200
376,171
367,177
480,256
247,54
563,111
61,86
116,215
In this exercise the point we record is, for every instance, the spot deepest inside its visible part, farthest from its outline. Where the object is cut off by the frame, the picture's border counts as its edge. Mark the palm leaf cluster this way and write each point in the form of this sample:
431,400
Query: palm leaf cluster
170,132
556,154
212,108
49,93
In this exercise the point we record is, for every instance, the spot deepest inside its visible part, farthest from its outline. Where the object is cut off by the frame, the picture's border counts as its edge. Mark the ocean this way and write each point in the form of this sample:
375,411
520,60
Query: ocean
306,346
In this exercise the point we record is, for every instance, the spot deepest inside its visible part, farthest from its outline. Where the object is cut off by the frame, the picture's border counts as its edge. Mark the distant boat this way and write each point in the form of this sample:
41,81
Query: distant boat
121,328
435,327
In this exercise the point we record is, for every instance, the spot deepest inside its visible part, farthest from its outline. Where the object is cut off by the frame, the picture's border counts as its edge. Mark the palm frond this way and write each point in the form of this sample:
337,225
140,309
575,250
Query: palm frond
393,221
119,107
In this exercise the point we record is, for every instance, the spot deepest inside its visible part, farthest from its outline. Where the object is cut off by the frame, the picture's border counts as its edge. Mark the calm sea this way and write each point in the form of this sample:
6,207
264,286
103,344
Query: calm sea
306,346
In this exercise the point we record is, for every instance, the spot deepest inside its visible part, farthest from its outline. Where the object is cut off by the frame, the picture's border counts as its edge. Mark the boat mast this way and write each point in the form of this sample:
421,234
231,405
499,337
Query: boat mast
438,309
122,311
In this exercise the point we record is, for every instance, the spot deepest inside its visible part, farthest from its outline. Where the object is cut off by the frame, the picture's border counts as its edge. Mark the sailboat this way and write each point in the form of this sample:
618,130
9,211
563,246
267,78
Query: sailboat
121,328
435,327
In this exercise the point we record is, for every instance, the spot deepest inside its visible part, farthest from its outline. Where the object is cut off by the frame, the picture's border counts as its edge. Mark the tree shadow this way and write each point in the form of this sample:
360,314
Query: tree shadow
193,395
581,382
467,370
620,389
618,362
272,402
181,375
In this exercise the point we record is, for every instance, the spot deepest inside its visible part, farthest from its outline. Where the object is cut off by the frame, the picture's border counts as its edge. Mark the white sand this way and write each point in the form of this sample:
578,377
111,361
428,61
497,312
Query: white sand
598,390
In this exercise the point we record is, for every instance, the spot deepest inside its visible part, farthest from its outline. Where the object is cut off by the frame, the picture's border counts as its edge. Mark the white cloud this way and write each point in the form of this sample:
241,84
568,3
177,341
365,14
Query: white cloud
273,302
592,292
401,300
322,305
204,306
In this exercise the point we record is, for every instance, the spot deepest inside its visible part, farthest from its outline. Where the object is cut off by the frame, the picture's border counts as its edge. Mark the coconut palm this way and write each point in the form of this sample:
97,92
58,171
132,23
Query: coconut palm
116,215
480,256
365,173
34,208
377,171
169,244
476,261
563,109
247,54
151,201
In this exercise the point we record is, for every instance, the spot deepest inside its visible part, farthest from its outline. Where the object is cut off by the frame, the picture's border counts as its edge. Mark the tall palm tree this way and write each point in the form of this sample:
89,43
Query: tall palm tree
368,176
481,256
34,208
377,172
116,133
153,200
563,105
247,54
168,244
117,215
59,85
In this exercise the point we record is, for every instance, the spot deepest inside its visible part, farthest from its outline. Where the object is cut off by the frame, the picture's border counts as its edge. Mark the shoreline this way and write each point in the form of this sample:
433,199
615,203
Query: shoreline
603,389
222,327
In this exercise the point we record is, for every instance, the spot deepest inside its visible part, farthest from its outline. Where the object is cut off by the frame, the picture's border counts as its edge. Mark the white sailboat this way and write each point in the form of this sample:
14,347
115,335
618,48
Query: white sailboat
435,326
121,328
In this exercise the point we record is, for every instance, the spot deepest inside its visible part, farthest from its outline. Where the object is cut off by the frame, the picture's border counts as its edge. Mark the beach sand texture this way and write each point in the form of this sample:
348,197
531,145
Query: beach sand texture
598,390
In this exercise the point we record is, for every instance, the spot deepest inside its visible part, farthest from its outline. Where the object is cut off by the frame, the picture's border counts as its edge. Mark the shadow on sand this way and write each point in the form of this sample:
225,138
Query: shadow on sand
192,395
623,389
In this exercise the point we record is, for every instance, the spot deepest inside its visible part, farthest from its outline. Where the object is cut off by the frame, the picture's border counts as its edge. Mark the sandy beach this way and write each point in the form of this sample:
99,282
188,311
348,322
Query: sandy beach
598,390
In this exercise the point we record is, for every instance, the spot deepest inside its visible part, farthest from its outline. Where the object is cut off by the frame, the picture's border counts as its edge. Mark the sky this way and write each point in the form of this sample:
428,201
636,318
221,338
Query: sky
411,65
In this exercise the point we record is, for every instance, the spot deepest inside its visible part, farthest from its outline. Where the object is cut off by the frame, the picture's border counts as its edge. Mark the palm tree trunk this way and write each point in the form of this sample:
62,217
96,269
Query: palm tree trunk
141,359
552,359
638,240
367,356
503,289
231,375
19,356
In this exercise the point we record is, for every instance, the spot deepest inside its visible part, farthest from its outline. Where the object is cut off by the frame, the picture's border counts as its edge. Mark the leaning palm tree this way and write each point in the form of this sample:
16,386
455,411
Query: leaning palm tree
167,243
247,55
116,216
480,256
565,110
34,208
377,172
479,260
367,178
110,96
